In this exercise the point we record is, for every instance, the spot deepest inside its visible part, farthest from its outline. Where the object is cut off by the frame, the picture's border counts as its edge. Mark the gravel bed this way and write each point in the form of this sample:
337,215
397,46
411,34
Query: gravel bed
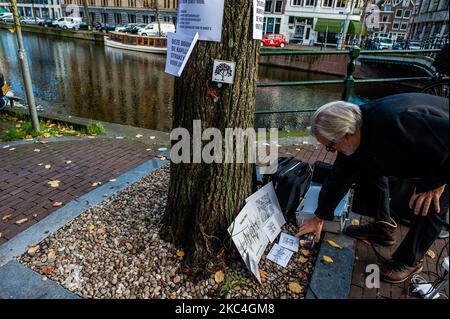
113,250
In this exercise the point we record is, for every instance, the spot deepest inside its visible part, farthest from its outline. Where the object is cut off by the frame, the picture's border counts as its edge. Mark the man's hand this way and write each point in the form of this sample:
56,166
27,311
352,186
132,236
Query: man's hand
425,199
313,225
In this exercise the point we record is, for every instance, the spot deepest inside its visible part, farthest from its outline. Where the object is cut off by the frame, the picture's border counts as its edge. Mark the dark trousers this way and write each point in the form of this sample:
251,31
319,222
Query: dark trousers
380,198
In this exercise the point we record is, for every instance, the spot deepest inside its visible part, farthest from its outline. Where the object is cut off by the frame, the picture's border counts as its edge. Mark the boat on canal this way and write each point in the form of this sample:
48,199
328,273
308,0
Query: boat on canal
149,44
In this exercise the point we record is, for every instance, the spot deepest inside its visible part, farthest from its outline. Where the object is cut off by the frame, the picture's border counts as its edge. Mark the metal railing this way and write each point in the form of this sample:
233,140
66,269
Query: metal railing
348,82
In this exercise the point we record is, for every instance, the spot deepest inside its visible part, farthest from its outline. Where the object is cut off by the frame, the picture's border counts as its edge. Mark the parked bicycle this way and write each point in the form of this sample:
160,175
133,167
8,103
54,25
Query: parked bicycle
440,85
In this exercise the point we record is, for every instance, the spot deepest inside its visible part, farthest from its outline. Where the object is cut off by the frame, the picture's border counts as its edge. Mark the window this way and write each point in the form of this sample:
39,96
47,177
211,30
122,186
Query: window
404,26
104,18
131,18
407,14
145,19
291,20
327,3
117,18
297,2
132,3
385,18
310,3
269,5
395,25
117,3
340,3
399,13
388,8
104,3
279,6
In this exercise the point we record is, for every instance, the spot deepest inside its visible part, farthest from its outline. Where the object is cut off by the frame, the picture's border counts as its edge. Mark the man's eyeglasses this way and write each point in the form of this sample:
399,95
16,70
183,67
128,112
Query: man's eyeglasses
331,147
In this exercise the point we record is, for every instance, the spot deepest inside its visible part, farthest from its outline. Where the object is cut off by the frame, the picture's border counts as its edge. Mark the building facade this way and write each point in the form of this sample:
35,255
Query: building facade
395,19
321,21
50,9
431,20
122,12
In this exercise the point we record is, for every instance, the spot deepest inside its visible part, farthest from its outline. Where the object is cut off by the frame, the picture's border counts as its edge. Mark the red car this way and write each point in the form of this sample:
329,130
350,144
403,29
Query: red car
273,40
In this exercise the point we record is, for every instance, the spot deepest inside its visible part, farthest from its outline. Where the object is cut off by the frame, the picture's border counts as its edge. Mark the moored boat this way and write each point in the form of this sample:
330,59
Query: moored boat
150,44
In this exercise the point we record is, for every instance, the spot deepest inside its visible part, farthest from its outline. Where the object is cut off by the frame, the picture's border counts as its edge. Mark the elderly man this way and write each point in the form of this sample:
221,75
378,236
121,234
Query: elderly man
404,136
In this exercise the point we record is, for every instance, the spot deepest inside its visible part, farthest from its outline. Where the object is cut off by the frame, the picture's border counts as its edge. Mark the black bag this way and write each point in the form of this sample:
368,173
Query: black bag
321,171
291,182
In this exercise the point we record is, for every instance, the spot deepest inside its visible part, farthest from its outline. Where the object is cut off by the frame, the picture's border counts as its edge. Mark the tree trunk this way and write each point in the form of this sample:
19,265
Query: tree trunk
204,198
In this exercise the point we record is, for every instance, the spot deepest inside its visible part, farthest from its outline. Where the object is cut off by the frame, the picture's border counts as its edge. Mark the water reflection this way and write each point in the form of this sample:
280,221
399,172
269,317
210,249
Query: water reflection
86,79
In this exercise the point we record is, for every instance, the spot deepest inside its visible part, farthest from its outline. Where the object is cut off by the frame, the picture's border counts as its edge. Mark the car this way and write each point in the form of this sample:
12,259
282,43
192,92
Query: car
108,27
6,17
383,43
398,46
47,23
414,45
31,20
69,23
154,29
135,29
83,26
273,40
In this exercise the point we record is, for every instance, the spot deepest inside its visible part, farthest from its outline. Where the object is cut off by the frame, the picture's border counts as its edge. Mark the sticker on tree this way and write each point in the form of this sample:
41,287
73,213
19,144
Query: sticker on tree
223,71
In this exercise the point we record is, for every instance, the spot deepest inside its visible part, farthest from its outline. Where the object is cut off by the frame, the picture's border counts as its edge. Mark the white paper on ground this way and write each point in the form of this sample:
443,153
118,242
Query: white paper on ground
273,225
265,202
258,18
252,264
204,17
289,242
280,255
179,49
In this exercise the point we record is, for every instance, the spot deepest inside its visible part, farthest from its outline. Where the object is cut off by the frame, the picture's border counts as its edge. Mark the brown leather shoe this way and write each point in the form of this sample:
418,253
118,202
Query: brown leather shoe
395,272
379,232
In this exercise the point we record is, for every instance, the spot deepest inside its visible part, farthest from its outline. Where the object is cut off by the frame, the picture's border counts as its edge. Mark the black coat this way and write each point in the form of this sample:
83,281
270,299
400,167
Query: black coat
403,135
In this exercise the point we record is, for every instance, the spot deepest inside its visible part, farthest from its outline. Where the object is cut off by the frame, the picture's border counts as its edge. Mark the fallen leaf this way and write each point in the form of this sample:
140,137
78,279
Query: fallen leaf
305,252
152,137
47,270
54,183
263,274
35,215
46,134
113,180
48,166
12,149
21,221
355,222
431,254
180,253
302,259
51,254
68,162
91,227
18,125
219,276
327,259
96,184
40,164
32,250
36,150
295,287
148,149
101,231
333,244
6,146
42,142
57,204
91,136
6,217
139,135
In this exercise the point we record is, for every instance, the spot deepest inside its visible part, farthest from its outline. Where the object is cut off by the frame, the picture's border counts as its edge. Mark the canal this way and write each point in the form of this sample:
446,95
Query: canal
86,79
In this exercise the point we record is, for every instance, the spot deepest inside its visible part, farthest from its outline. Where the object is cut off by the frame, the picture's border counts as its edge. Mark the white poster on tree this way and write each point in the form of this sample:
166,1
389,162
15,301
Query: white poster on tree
258,18
202,16
179,48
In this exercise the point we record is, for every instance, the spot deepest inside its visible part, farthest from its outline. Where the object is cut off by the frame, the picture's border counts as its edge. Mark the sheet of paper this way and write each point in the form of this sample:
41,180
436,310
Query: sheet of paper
247,234
289,242
202,16
258,18
280,255
179,49
265,202
252,265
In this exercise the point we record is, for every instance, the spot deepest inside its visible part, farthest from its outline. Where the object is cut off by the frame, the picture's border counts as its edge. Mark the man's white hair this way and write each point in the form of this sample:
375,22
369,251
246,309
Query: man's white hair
333,120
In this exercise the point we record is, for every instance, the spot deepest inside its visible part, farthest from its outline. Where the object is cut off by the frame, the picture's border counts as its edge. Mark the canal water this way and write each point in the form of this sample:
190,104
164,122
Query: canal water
87,79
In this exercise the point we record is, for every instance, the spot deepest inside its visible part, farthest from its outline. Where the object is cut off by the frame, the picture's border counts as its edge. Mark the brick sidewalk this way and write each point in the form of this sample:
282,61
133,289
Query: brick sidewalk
24,189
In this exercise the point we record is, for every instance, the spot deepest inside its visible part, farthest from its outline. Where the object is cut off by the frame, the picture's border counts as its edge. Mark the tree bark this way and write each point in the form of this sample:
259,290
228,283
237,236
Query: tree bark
204,198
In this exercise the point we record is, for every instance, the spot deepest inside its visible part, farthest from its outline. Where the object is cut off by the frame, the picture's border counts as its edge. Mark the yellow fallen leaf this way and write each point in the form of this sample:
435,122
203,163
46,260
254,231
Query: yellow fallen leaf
431,254
262,274
7,217
302,260
139,135
91,227
295,287
327,259
46,134
219,276
54,183
180,253
57,204
355,222
333,244
51,254
48,166
32,250
21,221
305,252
